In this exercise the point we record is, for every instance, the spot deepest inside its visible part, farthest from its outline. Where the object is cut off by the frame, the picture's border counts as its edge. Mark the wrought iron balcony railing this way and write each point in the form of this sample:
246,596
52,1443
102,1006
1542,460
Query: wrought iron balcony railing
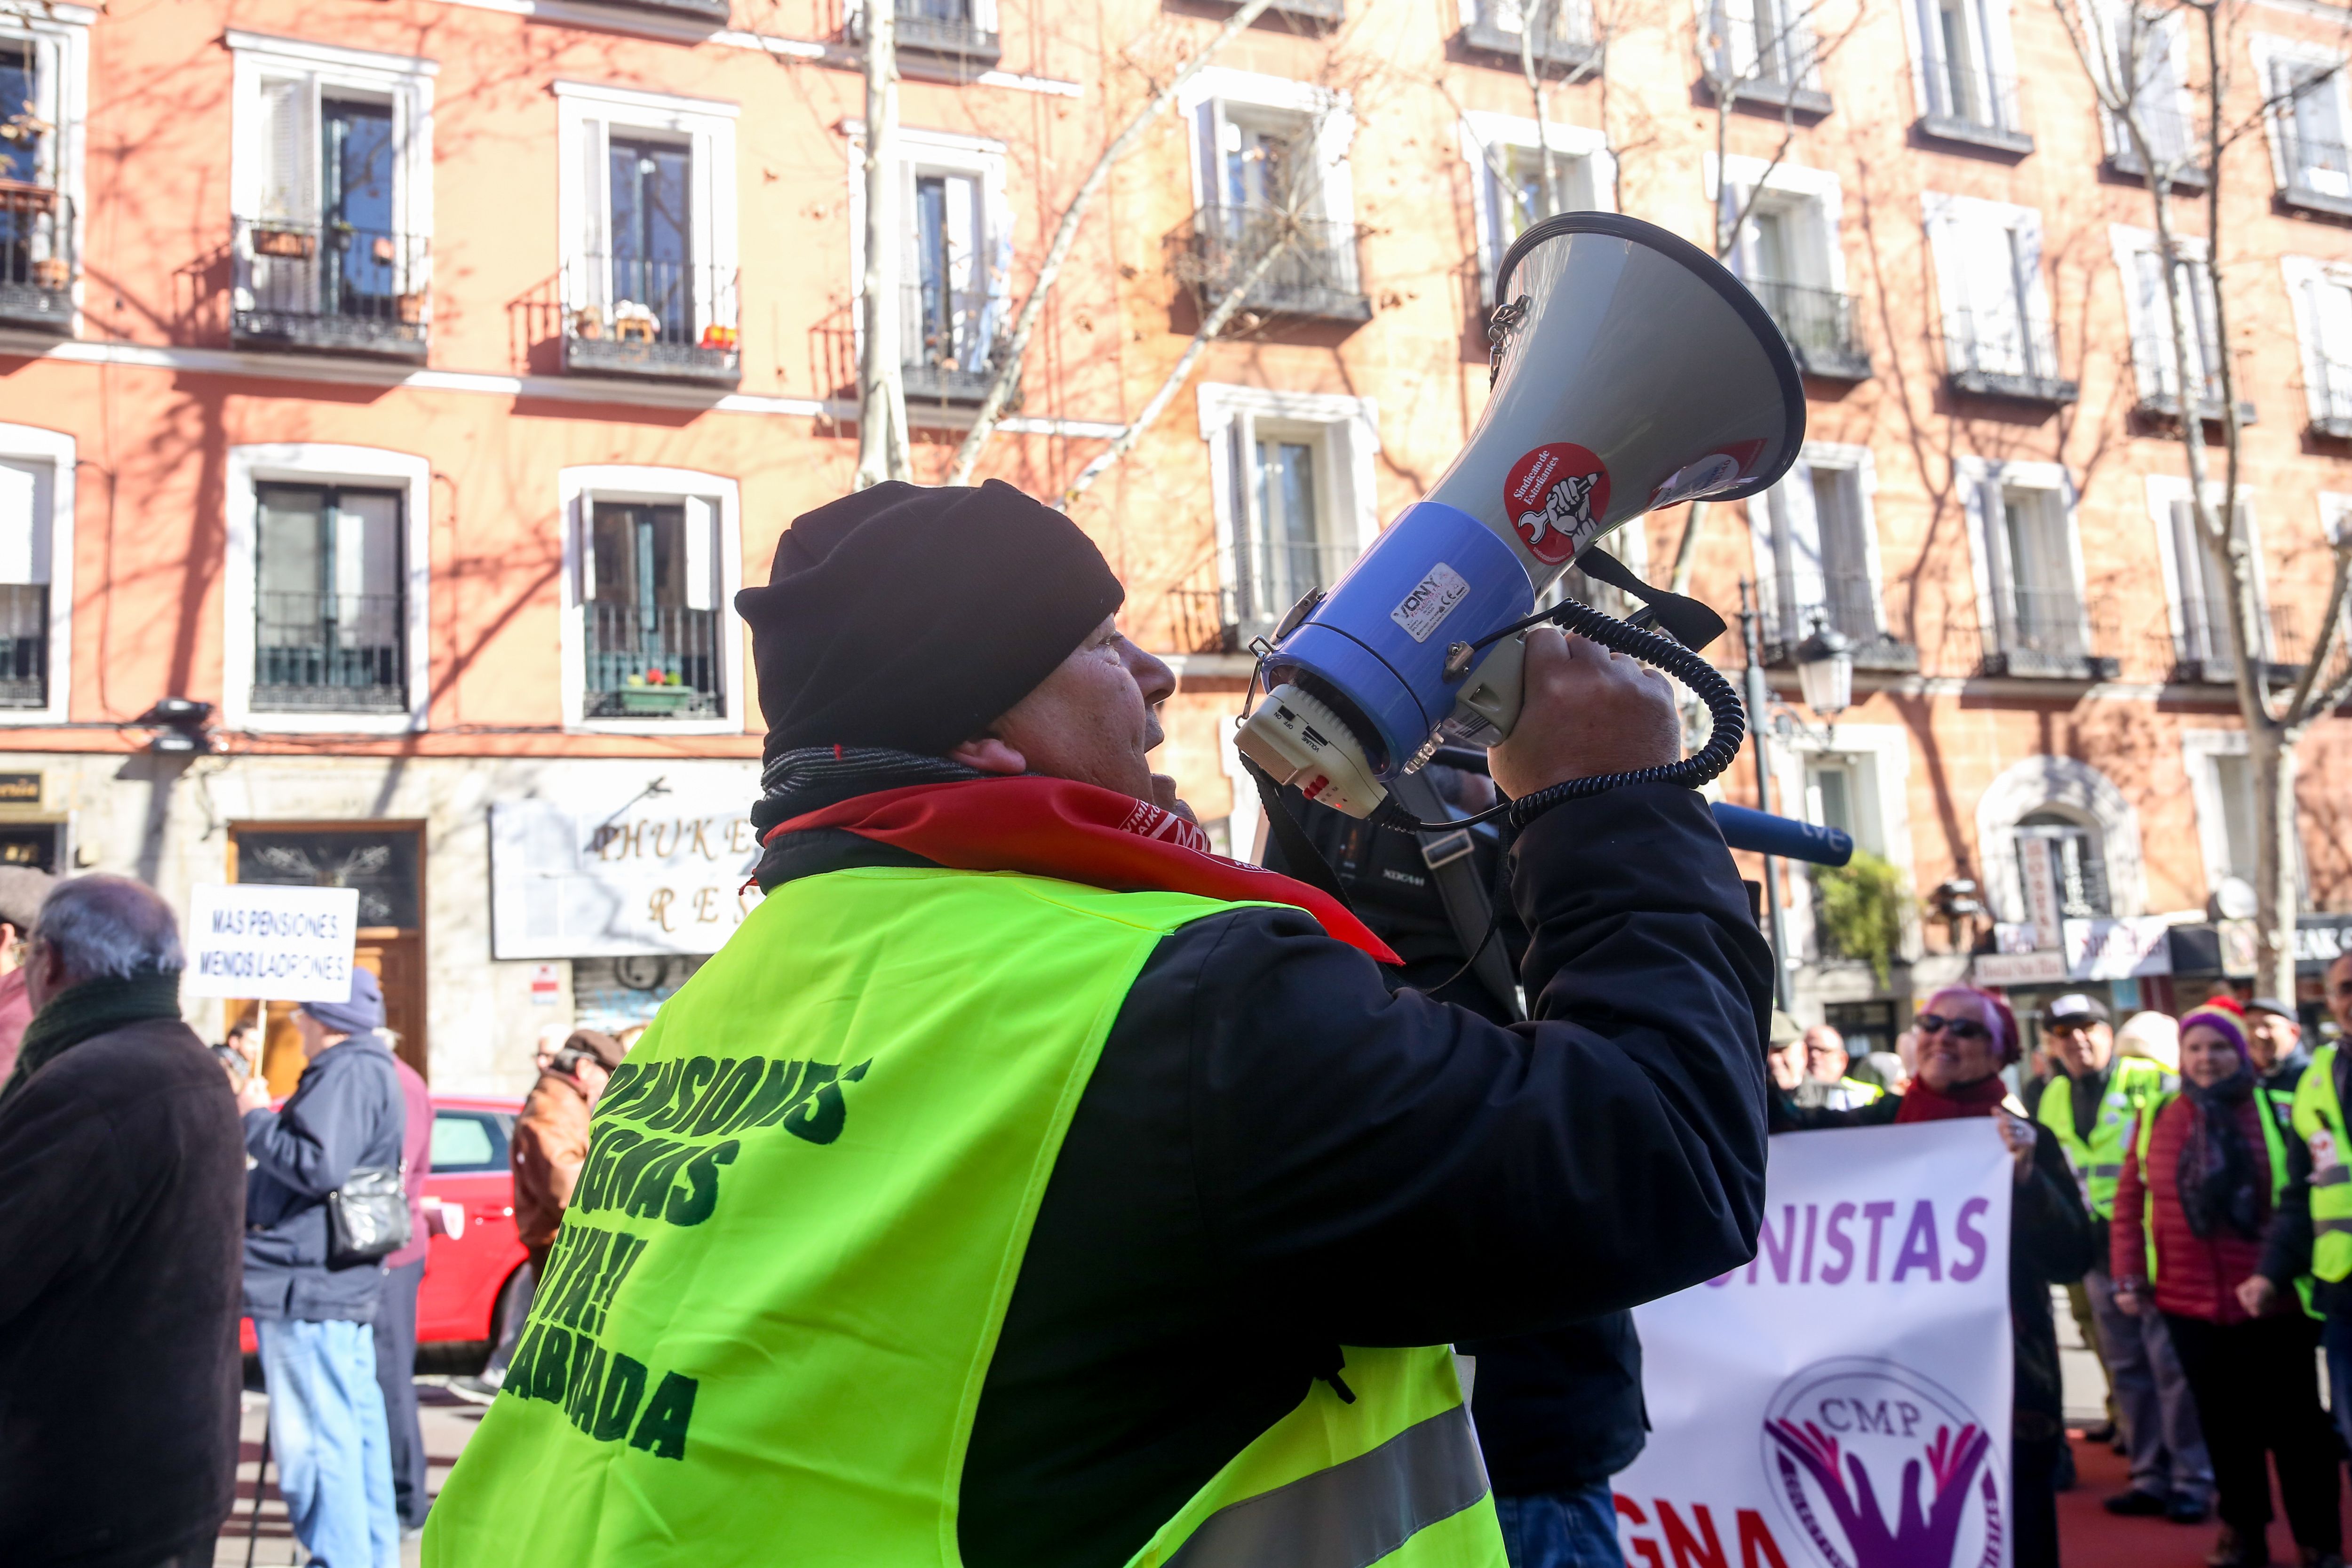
940,31
1562,34
2173,140
2004,356
1973,106
713,11
1313,269
2204,652
663,320
2051,633
2159,390
330,652
36,259
24,644
1759,61
1848,602
656,661
1251,592
953,345
2331,397
2318,172
1819,325
330,288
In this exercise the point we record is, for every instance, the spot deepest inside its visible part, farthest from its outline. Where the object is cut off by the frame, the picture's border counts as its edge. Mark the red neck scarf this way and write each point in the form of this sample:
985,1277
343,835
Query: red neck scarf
1075,832
1921,1103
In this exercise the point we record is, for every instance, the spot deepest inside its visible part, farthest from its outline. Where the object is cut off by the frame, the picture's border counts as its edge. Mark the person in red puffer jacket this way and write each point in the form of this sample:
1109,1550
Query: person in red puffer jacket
2201,1178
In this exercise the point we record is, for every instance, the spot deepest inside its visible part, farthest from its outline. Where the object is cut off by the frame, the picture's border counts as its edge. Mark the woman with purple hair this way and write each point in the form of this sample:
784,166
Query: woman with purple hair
1965,1036
2203,1175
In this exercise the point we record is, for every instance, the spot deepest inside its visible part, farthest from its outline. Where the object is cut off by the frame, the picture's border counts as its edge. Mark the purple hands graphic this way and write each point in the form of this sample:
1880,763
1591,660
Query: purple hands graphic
1918,1540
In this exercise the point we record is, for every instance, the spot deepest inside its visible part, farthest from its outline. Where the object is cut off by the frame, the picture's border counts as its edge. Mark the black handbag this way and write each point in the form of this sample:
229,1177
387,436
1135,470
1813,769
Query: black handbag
367,1216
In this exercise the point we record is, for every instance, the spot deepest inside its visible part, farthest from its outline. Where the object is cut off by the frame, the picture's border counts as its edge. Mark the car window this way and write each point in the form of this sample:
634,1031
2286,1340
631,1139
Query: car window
466,1140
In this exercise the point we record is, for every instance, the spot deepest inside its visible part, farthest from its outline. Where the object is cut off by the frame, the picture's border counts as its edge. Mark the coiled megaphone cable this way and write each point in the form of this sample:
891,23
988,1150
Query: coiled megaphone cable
1654,649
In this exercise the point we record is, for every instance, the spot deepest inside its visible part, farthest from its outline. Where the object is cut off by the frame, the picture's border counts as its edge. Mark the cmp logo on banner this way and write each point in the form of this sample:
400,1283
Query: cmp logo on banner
1842,1401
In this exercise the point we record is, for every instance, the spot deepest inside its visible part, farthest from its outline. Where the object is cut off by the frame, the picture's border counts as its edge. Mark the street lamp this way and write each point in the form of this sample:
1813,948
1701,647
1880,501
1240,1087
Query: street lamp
1825,670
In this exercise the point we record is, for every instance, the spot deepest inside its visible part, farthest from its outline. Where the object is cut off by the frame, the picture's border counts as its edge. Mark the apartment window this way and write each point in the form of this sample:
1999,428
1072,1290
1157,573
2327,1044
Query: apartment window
2146,56
1821,564
649,277
954,299
1830,794
951,38
1997,340
1967,79
1506,180
1562,36
1293,488
2306,125
1765,50
1270,171
2037,621
654,559
332,215
330,606
650,626
41,64
2071,850
36,553
2321,296
2153,359
1787,252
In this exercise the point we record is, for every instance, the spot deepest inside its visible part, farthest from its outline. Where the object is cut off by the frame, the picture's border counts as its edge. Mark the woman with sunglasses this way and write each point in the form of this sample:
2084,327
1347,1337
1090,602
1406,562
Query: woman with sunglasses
1964,1038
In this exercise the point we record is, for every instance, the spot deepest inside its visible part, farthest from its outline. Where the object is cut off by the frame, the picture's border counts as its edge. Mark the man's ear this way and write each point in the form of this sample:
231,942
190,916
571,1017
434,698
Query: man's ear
988,755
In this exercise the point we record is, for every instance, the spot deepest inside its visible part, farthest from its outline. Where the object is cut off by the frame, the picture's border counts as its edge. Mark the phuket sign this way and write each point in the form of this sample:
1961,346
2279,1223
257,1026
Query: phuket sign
1842,1401
259,941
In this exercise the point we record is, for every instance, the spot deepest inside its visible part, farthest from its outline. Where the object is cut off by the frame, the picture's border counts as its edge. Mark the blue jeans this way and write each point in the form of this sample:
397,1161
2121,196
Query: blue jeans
327,1437
1561,1530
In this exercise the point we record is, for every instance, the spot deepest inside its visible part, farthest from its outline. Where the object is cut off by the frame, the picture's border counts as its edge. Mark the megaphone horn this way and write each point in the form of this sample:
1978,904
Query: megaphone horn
1631,370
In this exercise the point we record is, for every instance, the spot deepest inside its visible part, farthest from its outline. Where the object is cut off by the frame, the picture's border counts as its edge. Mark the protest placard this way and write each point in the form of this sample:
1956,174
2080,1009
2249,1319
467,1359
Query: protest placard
258,941
1842,1401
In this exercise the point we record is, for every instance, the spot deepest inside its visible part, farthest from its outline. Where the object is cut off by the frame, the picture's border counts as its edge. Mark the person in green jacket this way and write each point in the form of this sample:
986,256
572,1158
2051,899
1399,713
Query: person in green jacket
1024,1183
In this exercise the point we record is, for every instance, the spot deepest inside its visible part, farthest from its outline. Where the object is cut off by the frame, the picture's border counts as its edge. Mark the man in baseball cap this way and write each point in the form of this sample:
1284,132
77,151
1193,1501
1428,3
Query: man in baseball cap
1009,1184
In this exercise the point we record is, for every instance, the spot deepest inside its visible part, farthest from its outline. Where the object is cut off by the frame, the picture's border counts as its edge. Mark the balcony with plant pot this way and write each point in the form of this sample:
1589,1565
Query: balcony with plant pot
330,288
36,259
650,661
655,321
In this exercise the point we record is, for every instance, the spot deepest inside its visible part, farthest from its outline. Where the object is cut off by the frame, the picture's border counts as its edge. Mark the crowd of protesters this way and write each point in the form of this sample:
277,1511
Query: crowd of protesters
152,1192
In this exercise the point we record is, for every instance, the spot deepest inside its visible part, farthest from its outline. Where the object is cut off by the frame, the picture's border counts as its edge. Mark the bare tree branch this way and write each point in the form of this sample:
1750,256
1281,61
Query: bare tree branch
1016,348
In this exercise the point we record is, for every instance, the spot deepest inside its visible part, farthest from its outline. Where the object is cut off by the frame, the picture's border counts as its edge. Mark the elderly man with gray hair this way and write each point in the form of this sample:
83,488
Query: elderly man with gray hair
121,1210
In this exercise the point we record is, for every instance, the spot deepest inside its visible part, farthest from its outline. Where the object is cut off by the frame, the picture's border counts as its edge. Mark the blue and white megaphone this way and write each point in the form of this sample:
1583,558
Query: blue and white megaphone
1632,372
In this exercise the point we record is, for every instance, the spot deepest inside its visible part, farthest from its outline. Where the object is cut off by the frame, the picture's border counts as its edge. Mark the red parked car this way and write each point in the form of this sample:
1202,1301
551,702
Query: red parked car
472,1279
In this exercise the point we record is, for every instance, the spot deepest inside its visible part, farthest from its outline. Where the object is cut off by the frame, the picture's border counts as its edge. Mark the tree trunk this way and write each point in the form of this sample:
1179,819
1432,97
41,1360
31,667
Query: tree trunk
882,451
2270,758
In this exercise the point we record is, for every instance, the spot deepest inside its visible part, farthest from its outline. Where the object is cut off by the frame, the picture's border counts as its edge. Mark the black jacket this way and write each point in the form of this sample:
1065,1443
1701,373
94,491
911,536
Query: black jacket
2049,1243
1557,1410
1276,1156
347,1111
121,1192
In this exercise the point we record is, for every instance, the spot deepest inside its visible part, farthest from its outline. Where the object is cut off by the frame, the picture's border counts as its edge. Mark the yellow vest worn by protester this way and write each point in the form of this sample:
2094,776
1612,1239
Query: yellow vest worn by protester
2319,1122
2099,1160
772,1304
2273,1151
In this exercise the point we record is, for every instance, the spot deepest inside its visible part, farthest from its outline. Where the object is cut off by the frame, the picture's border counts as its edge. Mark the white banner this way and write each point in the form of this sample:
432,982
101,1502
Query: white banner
1843,1400
259,941
658,874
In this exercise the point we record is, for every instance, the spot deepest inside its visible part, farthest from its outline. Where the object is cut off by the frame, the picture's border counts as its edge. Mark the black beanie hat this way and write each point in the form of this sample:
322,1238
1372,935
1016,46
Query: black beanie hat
911,618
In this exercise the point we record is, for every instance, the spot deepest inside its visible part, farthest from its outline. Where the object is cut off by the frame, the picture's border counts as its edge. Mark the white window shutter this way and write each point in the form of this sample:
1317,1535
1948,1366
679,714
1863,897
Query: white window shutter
965,277
1804,580
23,521
1211,137
592,265
2331,314
2152,341
1737,19
701,554
289,182
367,544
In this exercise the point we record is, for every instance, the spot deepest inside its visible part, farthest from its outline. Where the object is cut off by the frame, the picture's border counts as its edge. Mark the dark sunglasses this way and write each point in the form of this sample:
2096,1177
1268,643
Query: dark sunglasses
1958,1028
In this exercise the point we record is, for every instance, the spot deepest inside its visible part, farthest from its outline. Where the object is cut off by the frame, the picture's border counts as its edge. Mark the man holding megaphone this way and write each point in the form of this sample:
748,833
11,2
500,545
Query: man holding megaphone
1026,1184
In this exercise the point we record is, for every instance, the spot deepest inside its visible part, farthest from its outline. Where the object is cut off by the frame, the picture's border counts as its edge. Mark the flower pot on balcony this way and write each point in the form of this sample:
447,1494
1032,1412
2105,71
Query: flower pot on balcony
54,273
287,244
588,322
412,309
657,699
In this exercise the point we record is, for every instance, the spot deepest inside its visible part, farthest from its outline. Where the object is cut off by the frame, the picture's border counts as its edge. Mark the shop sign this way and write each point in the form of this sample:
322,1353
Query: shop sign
265,942
2117,949
2320,941
2242,945
2017,968
661,874
20,789
2016,936
546,985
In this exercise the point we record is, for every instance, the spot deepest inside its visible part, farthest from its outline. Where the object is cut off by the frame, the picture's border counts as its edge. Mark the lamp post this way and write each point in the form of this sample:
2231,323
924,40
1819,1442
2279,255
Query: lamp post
1758,702
1825,670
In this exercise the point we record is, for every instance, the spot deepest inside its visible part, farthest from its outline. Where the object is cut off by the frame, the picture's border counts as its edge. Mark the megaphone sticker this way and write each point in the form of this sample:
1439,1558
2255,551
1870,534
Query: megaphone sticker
1555,497
1718,470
